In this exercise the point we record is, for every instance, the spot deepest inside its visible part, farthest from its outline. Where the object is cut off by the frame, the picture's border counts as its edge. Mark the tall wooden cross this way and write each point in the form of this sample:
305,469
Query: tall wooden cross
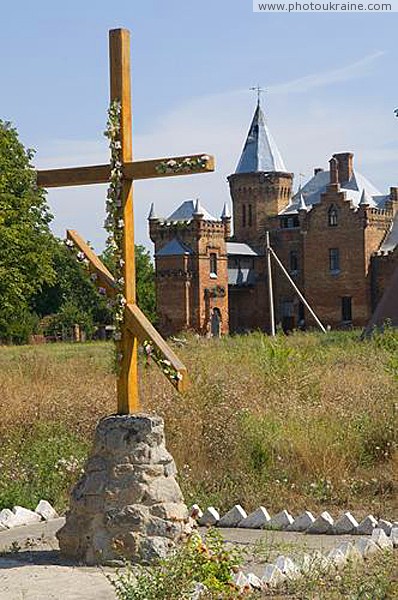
135,326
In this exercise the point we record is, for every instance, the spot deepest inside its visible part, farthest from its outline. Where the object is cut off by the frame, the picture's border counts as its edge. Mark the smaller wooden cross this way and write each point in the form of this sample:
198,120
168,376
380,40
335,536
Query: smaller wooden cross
135,327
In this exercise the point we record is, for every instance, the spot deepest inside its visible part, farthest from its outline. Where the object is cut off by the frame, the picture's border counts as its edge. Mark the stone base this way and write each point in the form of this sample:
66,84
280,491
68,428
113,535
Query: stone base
128,504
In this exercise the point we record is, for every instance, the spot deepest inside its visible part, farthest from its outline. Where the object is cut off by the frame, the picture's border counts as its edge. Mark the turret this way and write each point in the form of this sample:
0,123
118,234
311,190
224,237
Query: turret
153,221
226,219
261,185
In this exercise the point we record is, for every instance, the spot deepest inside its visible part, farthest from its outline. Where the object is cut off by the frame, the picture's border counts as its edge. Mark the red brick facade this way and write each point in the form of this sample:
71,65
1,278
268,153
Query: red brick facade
331,250
191,288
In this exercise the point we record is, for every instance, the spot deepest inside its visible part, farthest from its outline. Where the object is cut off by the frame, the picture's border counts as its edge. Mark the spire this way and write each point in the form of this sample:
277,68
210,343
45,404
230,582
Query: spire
260,152
301,202
226,214
365,200
152,213
198,210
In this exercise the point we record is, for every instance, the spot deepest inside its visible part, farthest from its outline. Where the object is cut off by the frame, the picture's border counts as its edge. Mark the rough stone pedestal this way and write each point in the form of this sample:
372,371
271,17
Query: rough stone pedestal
128,503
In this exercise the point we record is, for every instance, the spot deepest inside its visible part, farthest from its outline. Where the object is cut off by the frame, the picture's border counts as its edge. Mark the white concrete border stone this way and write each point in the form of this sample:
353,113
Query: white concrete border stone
256,519
233,517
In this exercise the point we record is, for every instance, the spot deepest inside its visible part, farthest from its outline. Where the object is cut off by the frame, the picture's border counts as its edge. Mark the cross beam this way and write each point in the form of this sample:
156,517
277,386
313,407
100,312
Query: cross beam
136,321
135,326
143,169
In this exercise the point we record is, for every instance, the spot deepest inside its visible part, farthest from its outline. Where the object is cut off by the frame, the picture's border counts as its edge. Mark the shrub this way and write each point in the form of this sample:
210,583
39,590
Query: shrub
208,563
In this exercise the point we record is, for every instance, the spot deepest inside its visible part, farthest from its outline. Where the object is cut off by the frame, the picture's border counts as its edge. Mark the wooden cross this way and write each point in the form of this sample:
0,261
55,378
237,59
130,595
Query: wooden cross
135,327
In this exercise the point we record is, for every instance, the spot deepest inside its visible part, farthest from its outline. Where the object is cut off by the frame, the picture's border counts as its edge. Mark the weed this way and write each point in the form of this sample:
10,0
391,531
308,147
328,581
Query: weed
197,563
304,421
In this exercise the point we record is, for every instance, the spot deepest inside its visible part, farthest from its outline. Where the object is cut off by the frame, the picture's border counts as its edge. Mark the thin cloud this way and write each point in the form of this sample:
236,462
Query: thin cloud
316,80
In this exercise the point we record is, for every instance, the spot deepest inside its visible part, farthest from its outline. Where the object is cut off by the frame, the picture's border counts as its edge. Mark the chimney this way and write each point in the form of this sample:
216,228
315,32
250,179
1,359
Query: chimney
394,194
317,170
334,170
345,162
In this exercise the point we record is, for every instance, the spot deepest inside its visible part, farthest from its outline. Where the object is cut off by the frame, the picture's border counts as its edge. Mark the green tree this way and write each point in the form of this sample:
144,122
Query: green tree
145,277
73,297
26,244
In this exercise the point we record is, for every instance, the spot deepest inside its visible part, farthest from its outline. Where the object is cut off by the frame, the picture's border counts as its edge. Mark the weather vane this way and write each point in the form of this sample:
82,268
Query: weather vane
259,91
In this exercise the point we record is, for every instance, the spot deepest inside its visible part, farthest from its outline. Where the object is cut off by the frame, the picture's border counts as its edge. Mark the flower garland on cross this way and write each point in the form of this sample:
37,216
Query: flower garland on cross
114,222
114,225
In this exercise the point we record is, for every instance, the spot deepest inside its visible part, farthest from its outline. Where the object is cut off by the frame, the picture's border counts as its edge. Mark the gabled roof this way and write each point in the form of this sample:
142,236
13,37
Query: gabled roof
260,152
174,247
317,185
186,211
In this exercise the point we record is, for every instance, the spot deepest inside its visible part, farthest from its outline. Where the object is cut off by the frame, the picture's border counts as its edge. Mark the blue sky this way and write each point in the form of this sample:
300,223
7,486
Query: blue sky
331,81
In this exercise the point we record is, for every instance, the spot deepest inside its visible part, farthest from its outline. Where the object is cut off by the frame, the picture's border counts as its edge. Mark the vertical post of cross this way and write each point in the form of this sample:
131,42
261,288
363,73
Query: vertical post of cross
120,90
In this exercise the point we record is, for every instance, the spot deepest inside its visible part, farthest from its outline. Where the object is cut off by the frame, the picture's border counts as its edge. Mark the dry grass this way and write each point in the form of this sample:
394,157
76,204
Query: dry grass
307,421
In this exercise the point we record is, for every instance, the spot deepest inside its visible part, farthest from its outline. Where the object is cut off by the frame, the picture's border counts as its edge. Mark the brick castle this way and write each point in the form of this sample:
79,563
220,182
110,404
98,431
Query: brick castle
337,236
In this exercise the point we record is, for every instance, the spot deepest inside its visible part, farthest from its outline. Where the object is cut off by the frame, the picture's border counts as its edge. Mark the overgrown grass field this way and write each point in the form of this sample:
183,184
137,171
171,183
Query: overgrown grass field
307,421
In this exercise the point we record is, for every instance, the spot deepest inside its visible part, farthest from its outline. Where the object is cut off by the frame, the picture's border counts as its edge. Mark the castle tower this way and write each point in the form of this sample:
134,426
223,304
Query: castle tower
261,185
191,269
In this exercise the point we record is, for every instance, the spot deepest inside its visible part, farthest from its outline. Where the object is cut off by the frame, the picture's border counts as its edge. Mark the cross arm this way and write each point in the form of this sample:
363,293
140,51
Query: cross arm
169,167
106,279
74,176
140,326
141,169
135,319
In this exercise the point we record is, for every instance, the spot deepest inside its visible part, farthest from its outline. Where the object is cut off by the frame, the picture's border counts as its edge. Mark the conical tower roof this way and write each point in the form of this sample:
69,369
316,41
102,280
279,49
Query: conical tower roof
366,199
260,152
226,213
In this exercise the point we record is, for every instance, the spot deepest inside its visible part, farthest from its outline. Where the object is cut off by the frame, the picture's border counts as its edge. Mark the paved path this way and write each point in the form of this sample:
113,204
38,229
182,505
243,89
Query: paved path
37,572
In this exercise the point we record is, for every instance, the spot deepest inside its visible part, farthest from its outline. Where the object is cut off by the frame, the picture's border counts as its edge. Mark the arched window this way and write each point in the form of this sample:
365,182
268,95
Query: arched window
333,216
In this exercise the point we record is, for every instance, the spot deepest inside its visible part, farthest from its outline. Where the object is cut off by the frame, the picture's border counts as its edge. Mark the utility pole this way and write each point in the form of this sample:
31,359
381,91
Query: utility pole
294,286
270,288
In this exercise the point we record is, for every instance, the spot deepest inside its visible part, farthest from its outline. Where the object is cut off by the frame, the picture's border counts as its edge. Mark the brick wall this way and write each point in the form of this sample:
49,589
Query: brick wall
187,292
325,289
248,305
255,198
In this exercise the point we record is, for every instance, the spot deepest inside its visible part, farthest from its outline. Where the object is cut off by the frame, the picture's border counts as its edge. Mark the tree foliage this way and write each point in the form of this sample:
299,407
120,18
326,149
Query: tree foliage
72,298
26,244
38,275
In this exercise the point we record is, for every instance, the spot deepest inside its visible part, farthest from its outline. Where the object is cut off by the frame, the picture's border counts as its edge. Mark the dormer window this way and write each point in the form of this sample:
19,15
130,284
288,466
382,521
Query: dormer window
333,216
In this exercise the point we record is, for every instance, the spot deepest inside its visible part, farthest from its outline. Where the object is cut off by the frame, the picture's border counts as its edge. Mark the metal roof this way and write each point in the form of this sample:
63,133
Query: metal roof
391,239
240,249
260,152
174,247
317,185
186,211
